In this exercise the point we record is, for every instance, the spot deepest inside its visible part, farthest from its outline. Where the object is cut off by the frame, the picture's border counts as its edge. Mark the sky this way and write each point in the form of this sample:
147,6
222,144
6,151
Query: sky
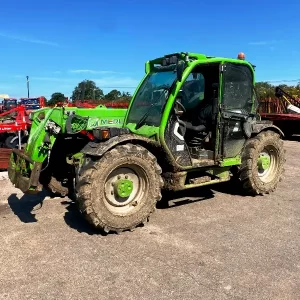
60,43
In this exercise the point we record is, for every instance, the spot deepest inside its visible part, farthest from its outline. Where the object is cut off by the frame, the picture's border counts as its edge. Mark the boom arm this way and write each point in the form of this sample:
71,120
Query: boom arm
293,103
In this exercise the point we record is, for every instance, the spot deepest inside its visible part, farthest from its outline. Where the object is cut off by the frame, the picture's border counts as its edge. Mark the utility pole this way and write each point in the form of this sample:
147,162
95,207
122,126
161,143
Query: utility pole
27,77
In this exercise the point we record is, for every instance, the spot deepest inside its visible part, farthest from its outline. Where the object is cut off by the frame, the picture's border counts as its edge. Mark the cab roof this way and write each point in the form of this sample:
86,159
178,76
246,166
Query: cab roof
191,56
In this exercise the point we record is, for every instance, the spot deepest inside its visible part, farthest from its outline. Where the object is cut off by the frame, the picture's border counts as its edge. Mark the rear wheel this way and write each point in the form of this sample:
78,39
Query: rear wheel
119,191
263,159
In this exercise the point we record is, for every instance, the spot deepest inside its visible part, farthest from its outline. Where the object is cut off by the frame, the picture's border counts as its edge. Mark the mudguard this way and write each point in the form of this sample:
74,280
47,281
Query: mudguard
264,125
98,149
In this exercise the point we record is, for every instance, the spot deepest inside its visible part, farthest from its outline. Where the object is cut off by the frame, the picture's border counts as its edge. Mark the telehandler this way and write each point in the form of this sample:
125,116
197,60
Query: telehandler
192,122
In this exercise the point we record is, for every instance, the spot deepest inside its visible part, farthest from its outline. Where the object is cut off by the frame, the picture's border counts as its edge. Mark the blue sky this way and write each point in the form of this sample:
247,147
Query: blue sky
60,43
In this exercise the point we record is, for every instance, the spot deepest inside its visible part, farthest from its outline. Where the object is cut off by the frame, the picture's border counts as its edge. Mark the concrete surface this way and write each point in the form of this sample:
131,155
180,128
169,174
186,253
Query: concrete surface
3,175
220,246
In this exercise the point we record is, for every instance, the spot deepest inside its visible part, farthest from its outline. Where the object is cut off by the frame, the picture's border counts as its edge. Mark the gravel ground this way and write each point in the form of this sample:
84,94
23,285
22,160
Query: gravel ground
211,245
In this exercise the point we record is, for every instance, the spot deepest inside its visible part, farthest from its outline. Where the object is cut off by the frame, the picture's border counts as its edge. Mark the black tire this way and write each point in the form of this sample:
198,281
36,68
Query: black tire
257,179
98,178
12,141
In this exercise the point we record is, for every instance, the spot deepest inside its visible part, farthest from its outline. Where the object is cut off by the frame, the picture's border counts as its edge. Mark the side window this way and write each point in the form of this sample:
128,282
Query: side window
237,87
193,90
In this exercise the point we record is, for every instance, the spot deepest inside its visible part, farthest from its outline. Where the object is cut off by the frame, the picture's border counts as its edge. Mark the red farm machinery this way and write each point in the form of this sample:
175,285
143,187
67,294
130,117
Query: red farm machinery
31,104
8,104
283,111
14,127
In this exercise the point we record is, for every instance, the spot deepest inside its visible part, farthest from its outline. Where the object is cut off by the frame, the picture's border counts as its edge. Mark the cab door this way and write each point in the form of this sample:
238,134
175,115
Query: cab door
236,105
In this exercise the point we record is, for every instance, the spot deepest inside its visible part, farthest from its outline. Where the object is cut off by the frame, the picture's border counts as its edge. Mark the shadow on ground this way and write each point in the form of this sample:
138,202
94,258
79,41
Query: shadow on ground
293,138
175,199
23,207
75,219
232,187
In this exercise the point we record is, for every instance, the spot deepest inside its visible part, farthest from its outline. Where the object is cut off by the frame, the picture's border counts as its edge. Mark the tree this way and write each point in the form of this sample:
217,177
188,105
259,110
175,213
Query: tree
55,98
113,95
266,90
91,91
126,97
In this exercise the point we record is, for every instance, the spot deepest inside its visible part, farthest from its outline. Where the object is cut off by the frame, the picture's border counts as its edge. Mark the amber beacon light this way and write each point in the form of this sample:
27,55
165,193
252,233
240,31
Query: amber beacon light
241,56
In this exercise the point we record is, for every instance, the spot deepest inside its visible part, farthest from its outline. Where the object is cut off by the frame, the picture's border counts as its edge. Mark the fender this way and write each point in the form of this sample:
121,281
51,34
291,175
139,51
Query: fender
264,125
98,149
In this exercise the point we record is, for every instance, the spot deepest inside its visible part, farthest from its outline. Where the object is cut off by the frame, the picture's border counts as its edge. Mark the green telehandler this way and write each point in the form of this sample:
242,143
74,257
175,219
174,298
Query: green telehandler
192,122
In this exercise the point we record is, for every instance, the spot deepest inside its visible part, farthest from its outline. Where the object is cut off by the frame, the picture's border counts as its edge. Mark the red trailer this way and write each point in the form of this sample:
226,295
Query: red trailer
283,111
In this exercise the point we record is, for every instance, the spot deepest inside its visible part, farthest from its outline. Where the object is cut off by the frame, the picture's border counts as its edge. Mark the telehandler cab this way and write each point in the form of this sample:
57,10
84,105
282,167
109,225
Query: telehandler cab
192,121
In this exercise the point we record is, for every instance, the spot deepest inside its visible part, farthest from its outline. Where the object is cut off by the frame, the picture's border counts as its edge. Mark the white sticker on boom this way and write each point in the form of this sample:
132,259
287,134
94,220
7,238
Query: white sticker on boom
179,147
236,127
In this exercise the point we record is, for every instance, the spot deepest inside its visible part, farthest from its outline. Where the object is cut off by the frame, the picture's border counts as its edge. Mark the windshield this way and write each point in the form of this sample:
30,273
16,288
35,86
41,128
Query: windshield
152,95
31,103
11,102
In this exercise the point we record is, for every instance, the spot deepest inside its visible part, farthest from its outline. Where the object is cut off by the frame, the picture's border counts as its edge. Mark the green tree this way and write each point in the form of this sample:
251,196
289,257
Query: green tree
266,90
91,91
125,97
113,95
55,98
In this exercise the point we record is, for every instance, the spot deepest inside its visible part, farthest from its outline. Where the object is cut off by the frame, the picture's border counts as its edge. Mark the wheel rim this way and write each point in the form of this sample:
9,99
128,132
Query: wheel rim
267,164
125,188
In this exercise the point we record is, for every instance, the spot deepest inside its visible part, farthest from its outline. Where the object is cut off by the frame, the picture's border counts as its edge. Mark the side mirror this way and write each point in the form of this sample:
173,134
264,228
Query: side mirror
180,69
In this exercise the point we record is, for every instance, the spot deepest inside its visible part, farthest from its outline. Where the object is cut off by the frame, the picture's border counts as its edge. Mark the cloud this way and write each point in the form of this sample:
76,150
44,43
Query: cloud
116,83
111,82
91,72
264,43
46,85
283,81
49,78
28,40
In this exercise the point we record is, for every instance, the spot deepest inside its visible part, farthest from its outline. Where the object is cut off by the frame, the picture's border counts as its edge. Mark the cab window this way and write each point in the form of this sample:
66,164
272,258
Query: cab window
193,90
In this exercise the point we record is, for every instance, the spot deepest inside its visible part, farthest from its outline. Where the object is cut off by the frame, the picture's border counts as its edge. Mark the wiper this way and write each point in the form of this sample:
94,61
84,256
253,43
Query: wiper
145,116
165,88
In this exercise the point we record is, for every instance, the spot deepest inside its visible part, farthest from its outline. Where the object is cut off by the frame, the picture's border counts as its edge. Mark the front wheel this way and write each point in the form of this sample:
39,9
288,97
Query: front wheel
263,161
119,191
